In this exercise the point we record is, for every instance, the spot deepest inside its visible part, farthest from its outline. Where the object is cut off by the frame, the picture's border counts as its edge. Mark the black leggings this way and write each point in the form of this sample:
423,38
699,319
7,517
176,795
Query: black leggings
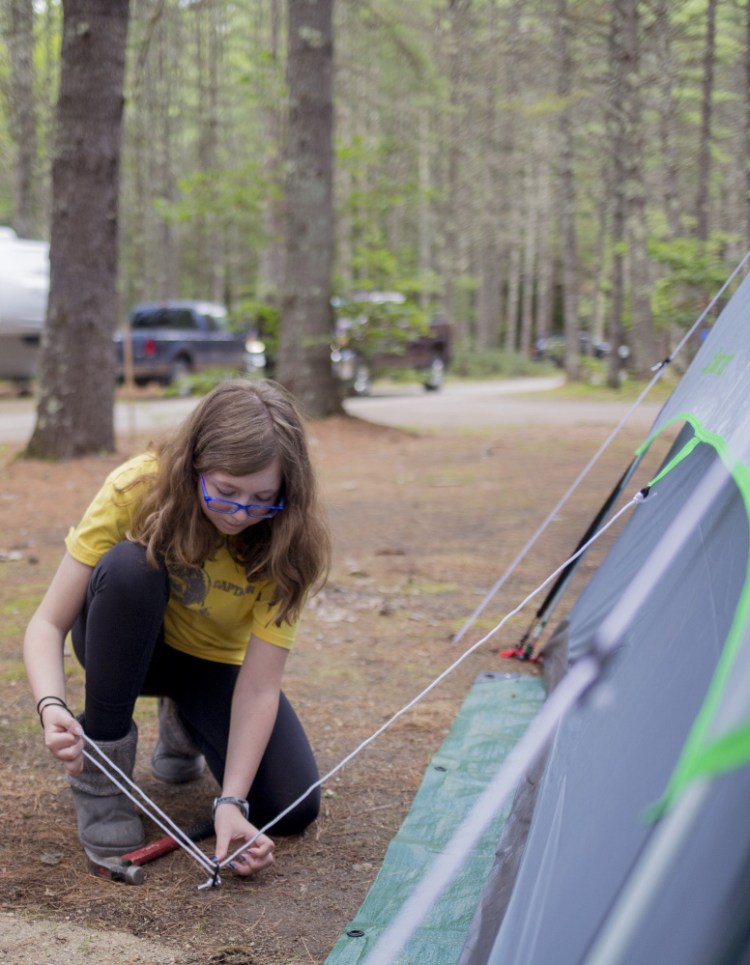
119,640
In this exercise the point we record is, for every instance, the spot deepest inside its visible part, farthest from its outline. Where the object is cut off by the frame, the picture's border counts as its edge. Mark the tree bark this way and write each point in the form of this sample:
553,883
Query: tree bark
704,149
75,407
668,119
643,341
307,317
23,116
620,66
567,198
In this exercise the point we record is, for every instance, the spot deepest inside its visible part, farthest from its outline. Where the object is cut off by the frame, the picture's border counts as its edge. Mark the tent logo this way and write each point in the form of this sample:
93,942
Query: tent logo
718,364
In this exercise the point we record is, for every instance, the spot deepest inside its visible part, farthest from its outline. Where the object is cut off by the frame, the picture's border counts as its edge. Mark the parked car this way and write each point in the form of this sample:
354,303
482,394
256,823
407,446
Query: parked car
377,332
171,339
552,348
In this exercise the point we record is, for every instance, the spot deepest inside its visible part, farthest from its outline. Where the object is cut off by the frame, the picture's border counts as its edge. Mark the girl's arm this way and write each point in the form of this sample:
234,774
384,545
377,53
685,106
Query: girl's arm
255,704
43,657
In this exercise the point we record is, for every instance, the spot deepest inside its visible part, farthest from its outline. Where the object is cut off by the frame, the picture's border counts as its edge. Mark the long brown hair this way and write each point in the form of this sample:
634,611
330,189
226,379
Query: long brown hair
240,428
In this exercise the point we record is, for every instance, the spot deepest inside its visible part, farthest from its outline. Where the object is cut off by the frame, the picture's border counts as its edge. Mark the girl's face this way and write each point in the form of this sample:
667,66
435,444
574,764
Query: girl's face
218,490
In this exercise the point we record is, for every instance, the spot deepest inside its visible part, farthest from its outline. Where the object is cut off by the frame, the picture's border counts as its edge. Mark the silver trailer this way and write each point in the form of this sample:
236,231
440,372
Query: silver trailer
24,288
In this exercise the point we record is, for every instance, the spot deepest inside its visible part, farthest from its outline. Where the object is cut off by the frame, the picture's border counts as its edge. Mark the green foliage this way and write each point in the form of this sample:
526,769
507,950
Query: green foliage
379,324
695,270
469,363
219,194
199,383
251,314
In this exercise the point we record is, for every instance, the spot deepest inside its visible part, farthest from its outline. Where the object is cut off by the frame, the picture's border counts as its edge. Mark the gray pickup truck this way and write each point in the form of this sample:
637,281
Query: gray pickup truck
171,339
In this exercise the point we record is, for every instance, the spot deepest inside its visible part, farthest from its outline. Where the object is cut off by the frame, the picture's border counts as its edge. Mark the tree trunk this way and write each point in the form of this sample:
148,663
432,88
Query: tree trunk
272,256
457,11
489,216
620,66
75,407
704,149
20,36
307,318
567,199
544,268
643,340
668,120
530,190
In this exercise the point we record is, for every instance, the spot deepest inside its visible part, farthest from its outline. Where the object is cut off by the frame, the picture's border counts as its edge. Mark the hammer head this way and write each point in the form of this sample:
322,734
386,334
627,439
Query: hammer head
115,868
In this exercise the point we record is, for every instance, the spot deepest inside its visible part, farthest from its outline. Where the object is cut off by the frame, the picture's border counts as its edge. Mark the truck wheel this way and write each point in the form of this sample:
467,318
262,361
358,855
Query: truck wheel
435,373
362,379
179,376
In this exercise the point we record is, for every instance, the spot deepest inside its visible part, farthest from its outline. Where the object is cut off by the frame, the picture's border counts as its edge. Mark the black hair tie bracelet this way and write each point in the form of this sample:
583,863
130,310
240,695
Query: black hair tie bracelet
50,701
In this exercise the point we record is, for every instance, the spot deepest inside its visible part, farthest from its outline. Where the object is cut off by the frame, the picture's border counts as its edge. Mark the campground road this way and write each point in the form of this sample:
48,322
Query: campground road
466,405
458,405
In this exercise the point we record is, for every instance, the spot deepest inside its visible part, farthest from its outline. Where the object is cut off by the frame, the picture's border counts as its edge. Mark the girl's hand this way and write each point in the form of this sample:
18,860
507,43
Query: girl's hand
231,831
63,737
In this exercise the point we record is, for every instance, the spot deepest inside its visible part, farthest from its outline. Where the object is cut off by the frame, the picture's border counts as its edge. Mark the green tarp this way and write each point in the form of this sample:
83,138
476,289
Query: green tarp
493,717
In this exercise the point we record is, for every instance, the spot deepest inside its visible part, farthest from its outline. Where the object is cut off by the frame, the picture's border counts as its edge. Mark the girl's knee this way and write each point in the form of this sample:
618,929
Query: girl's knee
300,818
125,570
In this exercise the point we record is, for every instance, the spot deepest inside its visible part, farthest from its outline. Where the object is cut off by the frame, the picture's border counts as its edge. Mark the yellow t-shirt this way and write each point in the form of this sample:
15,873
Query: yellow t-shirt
212,610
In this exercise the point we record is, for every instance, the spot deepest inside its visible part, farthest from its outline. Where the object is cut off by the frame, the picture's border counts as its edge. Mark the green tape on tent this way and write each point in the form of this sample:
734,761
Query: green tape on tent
495,714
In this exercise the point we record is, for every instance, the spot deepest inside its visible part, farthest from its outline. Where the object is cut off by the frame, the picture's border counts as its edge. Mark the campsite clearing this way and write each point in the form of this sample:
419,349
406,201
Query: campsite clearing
424,523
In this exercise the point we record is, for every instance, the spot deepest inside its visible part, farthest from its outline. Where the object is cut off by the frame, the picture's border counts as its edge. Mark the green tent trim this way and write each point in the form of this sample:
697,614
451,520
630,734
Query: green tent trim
702,755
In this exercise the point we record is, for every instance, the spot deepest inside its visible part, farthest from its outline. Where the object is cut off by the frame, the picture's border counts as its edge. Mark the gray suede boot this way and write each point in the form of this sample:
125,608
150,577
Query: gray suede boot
108,823
176,759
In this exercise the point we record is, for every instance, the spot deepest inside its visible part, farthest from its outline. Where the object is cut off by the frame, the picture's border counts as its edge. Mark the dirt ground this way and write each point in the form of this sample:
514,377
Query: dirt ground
423,525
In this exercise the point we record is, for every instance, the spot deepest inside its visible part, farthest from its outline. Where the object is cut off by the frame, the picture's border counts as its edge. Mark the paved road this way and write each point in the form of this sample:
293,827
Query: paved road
458,405
17,416
484,404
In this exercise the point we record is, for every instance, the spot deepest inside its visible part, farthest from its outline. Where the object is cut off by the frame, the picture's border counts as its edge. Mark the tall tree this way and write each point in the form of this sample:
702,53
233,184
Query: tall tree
75,407
19,27
621,67
307,318
704,146
566,189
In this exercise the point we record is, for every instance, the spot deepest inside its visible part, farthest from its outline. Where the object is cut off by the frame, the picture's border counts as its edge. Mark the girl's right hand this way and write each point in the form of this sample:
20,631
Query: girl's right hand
63,737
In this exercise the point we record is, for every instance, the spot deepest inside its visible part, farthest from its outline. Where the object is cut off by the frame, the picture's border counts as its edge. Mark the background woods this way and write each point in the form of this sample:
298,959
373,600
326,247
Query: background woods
518,166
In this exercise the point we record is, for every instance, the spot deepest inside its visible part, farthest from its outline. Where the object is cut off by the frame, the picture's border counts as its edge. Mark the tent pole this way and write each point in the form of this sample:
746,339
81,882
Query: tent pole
547,607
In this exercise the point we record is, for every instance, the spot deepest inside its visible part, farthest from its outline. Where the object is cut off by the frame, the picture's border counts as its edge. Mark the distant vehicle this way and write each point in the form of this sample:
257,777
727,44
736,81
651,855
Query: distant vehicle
376,332
170,340
552,348
24,289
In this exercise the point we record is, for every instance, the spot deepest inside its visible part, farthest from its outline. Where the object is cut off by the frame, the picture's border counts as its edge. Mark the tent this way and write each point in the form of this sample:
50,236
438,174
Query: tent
635,845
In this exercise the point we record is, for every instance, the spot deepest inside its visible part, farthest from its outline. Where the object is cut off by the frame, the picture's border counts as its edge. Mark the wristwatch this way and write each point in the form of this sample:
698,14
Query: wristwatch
238,801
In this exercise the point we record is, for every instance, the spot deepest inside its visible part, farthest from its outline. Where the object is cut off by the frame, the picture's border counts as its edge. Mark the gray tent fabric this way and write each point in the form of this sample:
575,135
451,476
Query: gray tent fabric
603,877
613,758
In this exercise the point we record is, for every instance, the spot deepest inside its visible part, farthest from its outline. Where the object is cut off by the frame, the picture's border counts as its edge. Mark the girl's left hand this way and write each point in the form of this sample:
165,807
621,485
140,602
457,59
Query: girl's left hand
231,831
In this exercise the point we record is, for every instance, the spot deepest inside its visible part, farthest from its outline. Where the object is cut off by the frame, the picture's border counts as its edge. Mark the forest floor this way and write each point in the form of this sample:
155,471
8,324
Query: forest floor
424,523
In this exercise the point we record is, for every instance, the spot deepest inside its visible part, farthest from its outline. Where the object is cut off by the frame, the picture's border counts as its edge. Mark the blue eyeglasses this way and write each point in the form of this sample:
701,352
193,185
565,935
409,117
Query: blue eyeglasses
227,507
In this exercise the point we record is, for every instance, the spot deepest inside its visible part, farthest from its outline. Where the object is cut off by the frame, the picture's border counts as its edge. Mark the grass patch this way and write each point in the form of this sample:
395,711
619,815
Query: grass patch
12,671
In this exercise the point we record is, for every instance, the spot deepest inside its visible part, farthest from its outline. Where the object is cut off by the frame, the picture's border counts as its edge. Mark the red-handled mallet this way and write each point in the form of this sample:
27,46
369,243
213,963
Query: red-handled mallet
156,849
127,867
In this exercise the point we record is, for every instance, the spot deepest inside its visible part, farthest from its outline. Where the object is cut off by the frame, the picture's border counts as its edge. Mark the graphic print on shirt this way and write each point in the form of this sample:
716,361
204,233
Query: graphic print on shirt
189,584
